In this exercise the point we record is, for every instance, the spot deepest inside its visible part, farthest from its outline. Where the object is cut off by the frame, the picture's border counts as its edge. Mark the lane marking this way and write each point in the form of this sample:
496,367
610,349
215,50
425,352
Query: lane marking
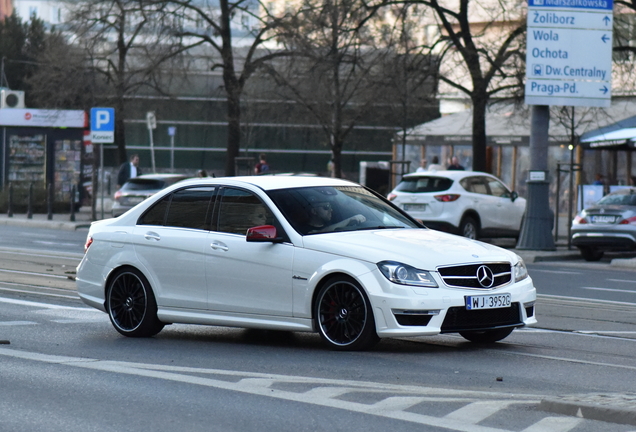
554,424
609,289
533,270
586,300
569,360
33,273
262,388
45,305
622,280
477,411
16,323
76,297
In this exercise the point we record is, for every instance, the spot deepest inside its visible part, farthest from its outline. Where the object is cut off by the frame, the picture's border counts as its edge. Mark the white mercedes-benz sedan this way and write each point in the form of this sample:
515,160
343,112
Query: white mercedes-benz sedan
304,254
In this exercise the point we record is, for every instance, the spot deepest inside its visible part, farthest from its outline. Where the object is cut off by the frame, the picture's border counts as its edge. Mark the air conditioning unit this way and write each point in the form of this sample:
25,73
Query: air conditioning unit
11,99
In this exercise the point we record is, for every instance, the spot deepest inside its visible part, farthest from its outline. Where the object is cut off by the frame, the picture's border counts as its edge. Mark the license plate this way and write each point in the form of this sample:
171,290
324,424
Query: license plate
493,301
414,207
603,219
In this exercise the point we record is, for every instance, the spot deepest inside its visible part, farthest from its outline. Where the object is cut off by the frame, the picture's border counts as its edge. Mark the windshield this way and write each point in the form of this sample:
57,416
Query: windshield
346,208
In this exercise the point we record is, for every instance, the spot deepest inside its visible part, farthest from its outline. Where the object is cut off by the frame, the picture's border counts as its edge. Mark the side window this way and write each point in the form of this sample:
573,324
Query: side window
475,185
156,215
240,210
190,208
498,189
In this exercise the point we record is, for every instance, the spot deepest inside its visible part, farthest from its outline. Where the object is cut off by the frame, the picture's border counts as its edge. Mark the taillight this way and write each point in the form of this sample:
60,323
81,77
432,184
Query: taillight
447,197
391,197
118,195
89,242
628,221
579,220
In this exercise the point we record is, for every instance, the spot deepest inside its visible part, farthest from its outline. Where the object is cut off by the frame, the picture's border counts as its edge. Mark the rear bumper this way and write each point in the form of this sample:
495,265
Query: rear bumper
604,240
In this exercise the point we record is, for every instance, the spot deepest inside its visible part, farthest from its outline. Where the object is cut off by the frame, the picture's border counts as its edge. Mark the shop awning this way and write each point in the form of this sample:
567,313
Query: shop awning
622,138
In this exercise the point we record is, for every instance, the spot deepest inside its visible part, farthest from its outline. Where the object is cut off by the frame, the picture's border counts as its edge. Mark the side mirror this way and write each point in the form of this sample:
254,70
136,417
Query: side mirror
513,196
263,233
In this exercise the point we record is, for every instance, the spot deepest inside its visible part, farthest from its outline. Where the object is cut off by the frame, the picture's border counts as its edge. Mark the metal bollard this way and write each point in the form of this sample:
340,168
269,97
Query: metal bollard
73,203
10,203
49,201
30,208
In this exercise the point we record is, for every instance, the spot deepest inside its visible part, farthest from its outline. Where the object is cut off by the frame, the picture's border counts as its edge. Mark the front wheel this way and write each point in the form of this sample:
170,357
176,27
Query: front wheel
344,316
487,336
131,305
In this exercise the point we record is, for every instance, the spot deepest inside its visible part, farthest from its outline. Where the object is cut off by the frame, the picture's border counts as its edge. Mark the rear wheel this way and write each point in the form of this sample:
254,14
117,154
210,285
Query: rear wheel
487,336
591,254
469,228
344,316
131,305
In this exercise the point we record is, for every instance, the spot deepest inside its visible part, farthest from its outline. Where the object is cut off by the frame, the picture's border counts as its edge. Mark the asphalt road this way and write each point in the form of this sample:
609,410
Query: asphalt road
65,367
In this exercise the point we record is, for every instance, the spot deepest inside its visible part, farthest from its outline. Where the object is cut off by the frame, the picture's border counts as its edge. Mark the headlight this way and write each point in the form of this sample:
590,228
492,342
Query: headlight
520,271
406,275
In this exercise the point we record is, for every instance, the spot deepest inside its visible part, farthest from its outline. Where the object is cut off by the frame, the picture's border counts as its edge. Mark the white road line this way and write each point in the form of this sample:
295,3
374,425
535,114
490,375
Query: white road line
583,300
609,289
45,305
622,280
396,403
73,297
33,273
533,270
477,411
262,388
554,424
16,323
570,360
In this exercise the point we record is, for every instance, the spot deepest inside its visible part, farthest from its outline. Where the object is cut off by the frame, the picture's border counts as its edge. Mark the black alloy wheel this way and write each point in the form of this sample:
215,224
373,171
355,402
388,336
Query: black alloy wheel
487,336
344,316
131,305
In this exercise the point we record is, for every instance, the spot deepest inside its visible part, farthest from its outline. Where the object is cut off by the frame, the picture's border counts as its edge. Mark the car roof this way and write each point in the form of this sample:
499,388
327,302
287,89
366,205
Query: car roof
452,174
272,182
160,176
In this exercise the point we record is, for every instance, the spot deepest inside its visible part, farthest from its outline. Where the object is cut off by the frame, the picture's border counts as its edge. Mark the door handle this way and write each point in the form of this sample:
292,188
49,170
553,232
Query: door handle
221,246
152,236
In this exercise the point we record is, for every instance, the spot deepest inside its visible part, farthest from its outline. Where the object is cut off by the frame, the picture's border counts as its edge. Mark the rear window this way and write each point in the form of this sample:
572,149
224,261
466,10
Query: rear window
424,184
144,184
619,199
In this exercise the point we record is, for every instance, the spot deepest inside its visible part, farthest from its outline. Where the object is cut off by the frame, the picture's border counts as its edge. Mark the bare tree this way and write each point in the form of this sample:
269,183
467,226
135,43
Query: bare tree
331,73
125,41
214,24
480,50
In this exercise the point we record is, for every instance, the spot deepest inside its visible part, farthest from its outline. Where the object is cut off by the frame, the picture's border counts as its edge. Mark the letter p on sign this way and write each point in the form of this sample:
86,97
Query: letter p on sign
102,125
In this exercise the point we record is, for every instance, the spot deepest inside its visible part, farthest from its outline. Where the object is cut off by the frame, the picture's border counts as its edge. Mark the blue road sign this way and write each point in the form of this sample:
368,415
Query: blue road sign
103,125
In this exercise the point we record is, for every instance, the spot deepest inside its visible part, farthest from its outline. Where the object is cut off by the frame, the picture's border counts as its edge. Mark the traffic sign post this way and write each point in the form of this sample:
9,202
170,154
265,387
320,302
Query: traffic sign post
151,122
102,132
569,52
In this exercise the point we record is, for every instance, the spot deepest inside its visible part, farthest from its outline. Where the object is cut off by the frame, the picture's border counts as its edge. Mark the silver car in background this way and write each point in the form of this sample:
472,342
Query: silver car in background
139,188
609,225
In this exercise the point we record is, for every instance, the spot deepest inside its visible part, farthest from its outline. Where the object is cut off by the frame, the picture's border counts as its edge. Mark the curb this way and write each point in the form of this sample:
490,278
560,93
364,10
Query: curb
611,408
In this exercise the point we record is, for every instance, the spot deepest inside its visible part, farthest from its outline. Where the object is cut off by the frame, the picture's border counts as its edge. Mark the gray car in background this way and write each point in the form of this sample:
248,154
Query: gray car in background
608,225
139,188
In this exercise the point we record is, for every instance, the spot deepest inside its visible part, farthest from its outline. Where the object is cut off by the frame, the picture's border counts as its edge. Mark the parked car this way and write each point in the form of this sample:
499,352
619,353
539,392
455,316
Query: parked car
304,254
469,203
609,225
139,188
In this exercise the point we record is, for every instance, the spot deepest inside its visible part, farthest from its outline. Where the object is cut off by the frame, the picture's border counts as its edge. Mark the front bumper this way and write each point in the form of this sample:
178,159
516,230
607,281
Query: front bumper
431,311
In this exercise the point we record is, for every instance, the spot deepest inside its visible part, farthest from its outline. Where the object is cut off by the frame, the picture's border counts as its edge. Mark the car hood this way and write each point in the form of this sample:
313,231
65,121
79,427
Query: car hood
422,248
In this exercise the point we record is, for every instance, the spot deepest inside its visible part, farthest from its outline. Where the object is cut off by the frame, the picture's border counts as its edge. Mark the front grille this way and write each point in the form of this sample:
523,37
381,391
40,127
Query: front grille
466,276
460,319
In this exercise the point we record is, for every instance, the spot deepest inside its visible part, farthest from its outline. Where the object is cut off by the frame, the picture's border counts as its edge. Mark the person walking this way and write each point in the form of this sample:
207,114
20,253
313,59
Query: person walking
128,170
455,164
262,165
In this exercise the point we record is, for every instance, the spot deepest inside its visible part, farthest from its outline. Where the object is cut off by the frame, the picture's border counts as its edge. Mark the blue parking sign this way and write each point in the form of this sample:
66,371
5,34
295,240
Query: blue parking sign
103,125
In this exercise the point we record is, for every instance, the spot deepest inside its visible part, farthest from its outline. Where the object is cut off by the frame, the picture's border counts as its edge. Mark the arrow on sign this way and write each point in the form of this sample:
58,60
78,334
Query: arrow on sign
606,19
604,89
605,38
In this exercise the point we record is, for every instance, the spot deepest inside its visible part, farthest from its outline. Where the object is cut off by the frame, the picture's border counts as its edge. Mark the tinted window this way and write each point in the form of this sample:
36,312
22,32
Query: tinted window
619,199
240,210
189,208
156,214
424,184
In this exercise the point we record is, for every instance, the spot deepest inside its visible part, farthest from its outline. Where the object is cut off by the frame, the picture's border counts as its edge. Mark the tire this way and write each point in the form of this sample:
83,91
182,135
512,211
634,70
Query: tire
469,228
591,254
487,336
131,304
344,317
